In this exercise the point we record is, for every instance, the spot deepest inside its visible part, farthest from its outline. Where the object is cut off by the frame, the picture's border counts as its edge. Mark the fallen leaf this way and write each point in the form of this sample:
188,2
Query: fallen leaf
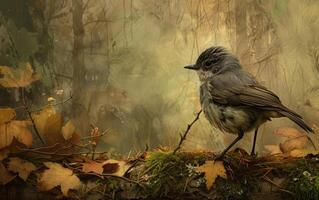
49,123
95,132
57,175
273,149
3,154
22,167
17,77
92,166
298,153
288,132
115,167
6,115
5,176
15,129
68,129
212,170
293,143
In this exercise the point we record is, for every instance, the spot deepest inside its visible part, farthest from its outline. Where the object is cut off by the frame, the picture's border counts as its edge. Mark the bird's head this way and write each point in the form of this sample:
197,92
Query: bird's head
214,60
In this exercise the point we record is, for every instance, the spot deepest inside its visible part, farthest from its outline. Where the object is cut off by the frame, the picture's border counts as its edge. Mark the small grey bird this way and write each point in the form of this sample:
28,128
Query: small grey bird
232,100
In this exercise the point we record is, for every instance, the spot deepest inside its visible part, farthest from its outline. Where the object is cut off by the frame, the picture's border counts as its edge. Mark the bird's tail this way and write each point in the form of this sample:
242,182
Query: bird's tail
296,118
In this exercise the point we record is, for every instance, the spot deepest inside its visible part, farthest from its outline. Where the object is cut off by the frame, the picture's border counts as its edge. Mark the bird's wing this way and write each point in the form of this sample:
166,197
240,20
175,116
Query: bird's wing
245,91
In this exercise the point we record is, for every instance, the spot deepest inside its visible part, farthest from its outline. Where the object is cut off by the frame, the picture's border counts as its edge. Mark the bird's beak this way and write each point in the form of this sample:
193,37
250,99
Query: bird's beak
192,66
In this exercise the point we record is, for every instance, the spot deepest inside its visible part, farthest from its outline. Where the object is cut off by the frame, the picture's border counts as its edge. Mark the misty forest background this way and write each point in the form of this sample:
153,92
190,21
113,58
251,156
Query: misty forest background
122,62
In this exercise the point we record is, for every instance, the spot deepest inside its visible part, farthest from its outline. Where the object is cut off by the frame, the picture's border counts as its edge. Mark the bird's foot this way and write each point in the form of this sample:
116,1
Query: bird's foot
219,157
253,154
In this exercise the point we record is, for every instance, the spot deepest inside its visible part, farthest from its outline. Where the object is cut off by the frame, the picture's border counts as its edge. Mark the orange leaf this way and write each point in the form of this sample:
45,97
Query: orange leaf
212,170
6,115
49,124
15,129
293,143
115,167
288,132
22,167
92,166
273,149
67,130
17,77
298,153
5,176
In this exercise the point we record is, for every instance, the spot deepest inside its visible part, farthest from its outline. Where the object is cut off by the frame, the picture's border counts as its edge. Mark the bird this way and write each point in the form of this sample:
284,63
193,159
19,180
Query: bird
233,100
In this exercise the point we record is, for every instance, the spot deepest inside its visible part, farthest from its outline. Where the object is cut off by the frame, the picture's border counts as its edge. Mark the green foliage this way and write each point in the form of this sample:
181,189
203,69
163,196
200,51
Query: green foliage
232,189
304,180
166,171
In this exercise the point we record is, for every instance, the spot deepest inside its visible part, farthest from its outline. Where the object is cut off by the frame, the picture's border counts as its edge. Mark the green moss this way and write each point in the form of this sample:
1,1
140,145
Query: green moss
232,189
303,181
165,172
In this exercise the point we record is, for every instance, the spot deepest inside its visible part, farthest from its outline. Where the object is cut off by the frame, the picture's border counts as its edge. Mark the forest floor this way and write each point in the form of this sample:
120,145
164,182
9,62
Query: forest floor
67,166
48,172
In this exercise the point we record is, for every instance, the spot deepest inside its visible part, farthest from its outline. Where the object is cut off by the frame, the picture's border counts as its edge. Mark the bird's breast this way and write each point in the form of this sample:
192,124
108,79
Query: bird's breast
227,118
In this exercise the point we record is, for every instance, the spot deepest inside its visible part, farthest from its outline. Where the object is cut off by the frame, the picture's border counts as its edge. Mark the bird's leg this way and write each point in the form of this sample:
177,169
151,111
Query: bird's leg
254,143
240,136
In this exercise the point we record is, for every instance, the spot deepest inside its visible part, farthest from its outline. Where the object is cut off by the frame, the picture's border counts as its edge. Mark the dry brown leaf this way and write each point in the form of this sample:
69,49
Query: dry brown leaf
6,115
15,129
11,77
57,175
288,132
95,132
5,176
92,166
22,167
212,170
68,129
49,122
298,153
115,167
293,143
3,154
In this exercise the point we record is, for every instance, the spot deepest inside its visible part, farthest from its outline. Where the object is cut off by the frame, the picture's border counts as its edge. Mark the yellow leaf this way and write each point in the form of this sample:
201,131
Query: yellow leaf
298,153
212,170
49,122
57,175
115,167
67,130
17,77
4,154
15,129
22,167
5,176
293,143
6,115
92,166
288,132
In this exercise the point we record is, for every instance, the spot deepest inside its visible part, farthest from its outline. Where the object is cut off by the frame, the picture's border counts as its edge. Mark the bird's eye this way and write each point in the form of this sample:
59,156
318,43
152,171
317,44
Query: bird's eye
208,63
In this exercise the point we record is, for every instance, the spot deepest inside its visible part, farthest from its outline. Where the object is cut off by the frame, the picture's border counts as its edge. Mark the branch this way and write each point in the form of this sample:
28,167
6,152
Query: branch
183,137
97,21
95,136
30,116
55,104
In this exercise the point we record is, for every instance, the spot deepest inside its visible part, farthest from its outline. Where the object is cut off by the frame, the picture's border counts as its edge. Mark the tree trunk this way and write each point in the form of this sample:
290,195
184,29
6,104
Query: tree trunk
77,53
242,47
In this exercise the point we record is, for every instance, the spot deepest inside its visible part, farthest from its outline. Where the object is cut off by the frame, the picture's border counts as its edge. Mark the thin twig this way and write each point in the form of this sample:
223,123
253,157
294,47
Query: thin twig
55,104
276,185
30,116
183,137
95,136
